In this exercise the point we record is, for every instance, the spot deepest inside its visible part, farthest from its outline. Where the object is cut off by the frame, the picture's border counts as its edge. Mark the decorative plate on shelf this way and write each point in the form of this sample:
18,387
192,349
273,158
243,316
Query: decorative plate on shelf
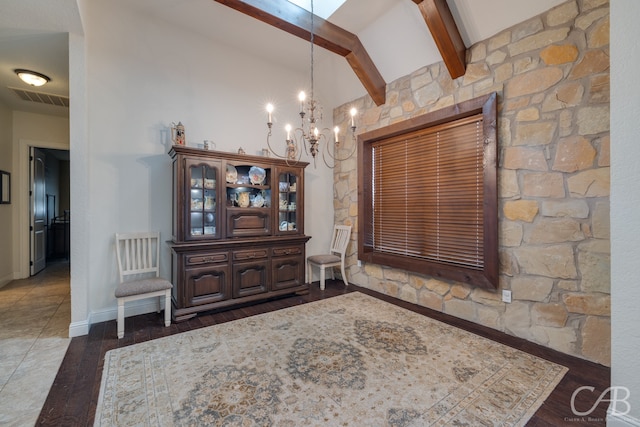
232,174
257,175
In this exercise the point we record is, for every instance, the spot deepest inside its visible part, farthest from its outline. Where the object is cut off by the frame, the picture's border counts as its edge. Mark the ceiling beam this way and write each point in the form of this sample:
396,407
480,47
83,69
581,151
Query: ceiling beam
295,20
444,31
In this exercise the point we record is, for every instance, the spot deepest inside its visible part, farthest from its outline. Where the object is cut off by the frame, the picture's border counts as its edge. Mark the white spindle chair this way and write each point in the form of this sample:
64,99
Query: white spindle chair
335,257
138,265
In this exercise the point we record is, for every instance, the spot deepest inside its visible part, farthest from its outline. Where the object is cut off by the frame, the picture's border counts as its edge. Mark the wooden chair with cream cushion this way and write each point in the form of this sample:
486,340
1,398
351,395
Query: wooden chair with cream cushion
335,257
138,264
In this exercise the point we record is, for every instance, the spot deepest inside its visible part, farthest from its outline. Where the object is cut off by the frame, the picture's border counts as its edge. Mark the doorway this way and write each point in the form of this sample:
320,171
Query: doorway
49,206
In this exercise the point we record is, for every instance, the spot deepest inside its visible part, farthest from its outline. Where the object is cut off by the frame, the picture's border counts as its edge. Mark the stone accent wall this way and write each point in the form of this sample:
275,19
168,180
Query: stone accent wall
551,74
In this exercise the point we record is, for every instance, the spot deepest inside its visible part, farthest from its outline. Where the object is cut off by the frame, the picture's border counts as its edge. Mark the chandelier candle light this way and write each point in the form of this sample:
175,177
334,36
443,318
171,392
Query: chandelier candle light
309,134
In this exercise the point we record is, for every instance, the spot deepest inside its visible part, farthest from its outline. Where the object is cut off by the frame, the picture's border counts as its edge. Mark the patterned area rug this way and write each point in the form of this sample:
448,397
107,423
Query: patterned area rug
351,360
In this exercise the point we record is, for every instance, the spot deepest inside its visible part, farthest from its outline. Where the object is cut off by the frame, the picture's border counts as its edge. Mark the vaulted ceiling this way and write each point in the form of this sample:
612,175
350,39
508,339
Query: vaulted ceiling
380,39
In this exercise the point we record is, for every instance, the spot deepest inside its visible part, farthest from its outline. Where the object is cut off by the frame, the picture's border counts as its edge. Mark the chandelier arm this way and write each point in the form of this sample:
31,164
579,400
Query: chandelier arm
339,159
271,148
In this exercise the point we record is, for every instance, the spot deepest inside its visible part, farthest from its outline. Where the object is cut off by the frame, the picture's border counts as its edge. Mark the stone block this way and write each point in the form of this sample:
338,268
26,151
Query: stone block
604,158
538,41
565,208
484,297
528,115
562,339
599,35
390,288
531,288
573,154
517,319
409,294
536,81
591,4
585,20
477,52
476,72
554,230
428,94
496,57
568,285
593,120
540,133
553,314
396,275
459,291
489,316
508,264
510,234
430,300
555,261
459,308
600,223
559,54
417,282
590,183
593,62
420,79
499,40
592,304
507,184
594,262
371,116
437,286
522,65
504,132
373,270
567,95
524,158
596,340
563,14
539,184
521,210
503,72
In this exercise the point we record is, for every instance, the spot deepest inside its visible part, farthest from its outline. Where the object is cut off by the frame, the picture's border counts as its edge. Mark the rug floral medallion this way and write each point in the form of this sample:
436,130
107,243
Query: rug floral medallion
351,360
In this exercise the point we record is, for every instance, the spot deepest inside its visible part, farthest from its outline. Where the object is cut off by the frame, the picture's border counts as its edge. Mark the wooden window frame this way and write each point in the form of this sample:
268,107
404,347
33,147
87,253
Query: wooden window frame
485,276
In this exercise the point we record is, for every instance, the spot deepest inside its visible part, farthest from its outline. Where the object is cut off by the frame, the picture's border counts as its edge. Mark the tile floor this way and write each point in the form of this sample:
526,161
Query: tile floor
34,335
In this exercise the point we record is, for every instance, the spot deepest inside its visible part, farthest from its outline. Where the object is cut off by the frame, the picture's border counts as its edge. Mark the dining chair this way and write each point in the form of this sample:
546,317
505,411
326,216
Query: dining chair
139,269
335,257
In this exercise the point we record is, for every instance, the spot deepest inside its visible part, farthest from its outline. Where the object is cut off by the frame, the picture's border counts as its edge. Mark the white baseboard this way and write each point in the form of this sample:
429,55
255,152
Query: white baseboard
136,308
78,329
621,420
8,279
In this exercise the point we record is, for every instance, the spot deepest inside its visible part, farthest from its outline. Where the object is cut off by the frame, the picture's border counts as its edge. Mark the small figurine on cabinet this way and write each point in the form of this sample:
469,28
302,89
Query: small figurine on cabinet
177,133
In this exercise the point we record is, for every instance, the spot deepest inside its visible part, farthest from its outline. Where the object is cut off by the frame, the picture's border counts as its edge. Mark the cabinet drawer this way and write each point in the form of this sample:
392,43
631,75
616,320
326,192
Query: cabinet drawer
248,222
210,258
289,250
250,254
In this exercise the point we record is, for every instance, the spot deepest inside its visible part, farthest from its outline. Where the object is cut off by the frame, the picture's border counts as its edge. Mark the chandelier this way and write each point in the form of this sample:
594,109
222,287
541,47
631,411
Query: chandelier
309,137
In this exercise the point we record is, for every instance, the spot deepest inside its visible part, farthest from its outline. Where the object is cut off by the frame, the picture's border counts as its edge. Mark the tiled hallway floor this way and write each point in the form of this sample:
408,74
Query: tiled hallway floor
35,314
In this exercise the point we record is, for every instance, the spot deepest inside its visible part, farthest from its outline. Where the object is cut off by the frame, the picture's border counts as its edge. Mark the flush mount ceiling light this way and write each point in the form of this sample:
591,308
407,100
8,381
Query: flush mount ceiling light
32,78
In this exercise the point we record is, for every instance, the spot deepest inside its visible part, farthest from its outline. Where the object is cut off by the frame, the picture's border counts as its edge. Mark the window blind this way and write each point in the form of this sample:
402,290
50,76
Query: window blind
427,194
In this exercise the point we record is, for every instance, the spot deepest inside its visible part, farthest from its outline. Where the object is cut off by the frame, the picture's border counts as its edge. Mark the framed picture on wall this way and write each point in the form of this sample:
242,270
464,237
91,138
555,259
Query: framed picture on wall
5,187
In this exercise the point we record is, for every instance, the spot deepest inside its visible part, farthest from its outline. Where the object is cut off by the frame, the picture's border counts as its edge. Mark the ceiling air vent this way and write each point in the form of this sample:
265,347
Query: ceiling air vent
42,98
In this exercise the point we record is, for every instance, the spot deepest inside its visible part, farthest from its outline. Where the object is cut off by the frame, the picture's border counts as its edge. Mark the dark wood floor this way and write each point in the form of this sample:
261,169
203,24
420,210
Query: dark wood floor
74,394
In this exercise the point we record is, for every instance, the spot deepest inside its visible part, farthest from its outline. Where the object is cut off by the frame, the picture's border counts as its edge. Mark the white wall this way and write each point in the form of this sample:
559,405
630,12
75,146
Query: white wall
625,199
141,75
35,130
6,227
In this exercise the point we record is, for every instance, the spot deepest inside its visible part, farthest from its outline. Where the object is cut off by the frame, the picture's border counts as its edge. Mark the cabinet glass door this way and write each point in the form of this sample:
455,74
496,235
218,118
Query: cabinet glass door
288,202
202,205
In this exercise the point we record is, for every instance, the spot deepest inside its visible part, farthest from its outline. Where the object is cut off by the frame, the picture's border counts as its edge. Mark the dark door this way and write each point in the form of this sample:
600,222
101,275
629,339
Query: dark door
38,208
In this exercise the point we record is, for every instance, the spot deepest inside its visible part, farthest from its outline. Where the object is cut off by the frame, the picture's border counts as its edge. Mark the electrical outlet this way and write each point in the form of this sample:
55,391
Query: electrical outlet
359,263
506,295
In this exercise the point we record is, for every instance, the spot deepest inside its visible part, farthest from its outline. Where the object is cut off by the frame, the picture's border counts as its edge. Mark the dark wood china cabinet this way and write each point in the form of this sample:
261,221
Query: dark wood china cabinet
238,229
